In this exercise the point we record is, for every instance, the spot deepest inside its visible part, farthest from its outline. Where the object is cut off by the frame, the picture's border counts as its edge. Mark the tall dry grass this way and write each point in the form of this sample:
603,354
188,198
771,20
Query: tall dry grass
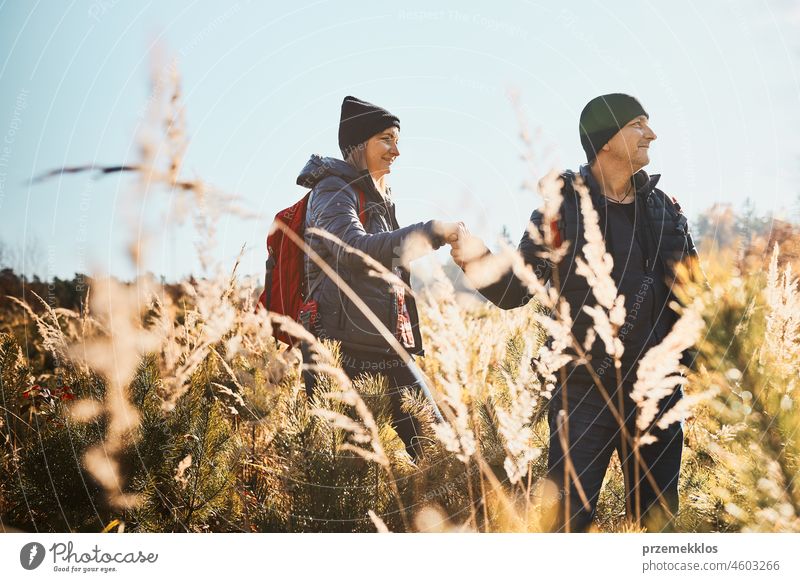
184,415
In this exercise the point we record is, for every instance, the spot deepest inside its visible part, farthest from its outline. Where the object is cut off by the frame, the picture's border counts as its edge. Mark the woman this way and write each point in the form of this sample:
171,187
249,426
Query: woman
351,200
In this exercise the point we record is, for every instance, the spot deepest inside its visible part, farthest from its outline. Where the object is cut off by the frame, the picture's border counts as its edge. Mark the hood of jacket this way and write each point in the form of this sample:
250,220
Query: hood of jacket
317,168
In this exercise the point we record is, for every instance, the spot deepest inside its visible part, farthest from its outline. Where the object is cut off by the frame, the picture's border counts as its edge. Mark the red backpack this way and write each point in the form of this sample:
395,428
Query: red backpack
284,289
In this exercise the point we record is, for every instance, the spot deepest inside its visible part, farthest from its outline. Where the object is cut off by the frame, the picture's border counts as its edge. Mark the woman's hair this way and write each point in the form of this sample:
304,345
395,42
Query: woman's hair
357,157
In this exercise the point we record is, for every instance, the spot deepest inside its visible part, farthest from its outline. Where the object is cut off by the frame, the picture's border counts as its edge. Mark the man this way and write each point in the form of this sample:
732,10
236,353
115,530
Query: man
646,234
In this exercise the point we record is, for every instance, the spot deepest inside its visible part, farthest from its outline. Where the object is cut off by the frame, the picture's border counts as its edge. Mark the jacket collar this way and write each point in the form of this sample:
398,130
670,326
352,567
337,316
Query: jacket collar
319,167
644,184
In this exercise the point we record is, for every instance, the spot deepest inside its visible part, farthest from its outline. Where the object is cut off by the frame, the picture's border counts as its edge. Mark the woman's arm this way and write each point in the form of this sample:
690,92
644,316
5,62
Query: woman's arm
334,209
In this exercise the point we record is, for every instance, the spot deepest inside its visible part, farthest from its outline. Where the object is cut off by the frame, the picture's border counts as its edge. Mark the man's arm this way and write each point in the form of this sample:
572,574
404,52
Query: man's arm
508,291
691,251
690,355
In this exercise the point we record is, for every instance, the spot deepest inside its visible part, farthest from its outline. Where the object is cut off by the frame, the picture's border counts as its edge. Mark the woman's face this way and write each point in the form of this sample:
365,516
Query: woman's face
381,151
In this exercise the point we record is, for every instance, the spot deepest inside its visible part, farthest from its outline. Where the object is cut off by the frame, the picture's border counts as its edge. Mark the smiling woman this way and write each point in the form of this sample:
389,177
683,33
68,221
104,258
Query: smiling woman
376,155
351,201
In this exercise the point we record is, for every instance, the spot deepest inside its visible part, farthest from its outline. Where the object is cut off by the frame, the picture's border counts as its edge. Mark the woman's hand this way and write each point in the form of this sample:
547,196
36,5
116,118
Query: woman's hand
449,231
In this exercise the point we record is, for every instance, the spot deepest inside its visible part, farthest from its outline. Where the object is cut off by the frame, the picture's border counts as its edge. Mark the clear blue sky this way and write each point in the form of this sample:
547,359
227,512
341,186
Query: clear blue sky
263,83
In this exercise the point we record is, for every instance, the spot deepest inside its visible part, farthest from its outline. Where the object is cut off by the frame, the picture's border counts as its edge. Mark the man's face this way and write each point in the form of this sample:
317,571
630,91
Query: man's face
631,143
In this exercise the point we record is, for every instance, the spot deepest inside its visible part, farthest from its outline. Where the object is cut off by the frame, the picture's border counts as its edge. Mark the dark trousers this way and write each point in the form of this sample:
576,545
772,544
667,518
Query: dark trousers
399,379
593,435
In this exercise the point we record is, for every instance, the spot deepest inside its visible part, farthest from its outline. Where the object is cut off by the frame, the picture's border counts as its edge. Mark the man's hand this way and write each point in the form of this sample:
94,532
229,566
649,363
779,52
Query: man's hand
465,247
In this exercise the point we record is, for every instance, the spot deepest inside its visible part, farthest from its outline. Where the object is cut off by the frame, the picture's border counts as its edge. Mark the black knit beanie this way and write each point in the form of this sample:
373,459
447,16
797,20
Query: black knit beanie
603,117
360,121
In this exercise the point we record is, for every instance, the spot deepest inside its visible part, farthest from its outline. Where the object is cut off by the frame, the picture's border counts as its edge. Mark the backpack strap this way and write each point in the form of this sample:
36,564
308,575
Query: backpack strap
269,268
559,225
362,207
362,217
315,284
556,230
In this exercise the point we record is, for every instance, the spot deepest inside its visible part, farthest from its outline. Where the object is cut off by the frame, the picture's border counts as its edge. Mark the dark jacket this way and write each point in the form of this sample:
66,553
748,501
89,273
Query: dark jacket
665,240
334,207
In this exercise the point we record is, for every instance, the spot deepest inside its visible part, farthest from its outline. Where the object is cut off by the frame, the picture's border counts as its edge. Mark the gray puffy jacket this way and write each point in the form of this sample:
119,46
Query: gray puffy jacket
334,207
